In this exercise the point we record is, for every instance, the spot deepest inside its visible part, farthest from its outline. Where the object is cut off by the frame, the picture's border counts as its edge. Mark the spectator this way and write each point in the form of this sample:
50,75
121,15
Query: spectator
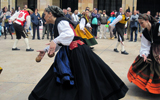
66,14
134,26
148,13
157,15
35,18
95,20
25,7
70,13
5,23
0,23
120,12
100,12
68,9
112,30
18,9
75,16
51,29
45,26
103,21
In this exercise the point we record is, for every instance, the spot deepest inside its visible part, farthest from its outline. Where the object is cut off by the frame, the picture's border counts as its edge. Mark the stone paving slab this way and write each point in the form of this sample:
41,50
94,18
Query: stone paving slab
21,73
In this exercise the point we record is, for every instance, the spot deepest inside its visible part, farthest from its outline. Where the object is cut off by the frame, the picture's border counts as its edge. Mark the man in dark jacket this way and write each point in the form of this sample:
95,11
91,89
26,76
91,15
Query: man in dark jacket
134,25
45,27
66,14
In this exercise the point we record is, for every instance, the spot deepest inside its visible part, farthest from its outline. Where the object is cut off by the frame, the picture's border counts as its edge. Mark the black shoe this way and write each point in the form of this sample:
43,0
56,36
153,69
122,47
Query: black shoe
30,49
32,39
135,40
15,49
115,50
127,39
124,52
42,38
12,37
115,37
5,37
130,40
91,48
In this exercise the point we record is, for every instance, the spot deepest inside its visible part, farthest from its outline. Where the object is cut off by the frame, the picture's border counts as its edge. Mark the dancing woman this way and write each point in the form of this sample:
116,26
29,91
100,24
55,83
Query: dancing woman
145,70
77,72
83,30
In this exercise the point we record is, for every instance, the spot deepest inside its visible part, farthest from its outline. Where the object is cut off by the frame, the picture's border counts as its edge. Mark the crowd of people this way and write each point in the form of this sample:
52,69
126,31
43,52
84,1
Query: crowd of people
98,20
77,72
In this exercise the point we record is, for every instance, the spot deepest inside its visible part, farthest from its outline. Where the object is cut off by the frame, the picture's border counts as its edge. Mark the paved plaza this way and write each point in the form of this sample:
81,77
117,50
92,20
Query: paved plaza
21,73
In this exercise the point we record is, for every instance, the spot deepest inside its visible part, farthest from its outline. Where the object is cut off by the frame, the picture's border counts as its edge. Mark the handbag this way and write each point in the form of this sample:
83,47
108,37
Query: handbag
95,21
39,23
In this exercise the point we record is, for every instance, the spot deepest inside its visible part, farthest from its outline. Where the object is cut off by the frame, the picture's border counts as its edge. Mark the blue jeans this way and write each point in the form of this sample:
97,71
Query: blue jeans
0,28
136,32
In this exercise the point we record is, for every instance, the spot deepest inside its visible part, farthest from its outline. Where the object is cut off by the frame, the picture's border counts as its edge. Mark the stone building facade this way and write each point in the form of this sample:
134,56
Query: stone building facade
78,4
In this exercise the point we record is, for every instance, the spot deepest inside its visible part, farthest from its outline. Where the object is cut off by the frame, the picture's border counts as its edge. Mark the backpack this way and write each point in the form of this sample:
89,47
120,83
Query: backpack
95,21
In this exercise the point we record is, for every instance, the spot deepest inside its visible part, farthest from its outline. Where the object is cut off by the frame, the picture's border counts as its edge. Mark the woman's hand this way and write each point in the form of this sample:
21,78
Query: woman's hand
52,47
38,18
145,58
90,28
84,31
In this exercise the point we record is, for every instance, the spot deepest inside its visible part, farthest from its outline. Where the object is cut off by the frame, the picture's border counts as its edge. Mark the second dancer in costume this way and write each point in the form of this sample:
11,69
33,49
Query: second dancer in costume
145,70
83,32
77,72
120,22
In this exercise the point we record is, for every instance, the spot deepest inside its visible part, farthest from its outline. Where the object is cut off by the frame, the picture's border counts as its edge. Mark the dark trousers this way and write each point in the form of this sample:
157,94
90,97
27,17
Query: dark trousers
34,30
8,29
94,30
114,32
136,32
51,28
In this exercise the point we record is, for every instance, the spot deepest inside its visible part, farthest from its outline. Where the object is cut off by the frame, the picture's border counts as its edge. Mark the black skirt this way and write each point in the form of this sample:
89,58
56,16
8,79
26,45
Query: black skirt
94,80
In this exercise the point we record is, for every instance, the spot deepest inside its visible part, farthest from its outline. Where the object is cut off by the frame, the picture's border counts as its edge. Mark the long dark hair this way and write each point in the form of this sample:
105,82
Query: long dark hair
3,10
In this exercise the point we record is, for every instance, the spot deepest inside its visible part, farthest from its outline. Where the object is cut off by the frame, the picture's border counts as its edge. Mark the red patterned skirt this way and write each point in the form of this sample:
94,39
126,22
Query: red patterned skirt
146,75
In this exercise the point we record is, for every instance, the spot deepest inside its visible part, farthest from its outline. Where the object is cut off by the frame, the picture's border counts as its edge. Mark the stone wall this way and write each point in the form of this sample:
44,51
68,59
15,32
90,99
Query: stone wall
21,3
129,3
82,4
56,2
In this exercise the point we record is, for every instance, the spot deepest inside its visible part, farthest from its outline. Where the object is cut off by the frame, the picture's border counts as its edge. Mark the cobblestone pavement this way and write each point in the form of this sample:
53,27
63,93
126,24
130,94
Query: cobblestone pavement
21,73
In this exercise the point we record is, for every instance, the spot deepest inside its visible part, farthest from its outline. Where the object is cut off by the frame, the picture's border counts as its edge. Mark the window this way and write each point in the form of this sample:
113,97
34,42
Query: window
109,5
148,5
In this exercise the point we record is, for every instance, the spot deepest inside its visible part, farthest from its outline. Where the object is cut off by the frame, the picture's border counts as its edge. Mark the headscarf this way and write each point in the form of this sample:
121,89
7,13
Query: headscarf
55,10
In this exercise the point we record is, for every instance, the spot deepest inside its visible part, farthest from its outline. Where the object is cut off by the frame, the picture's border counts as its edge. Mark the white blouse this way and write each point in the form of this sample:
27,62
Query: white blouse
82,24
119,18
145,46
65,37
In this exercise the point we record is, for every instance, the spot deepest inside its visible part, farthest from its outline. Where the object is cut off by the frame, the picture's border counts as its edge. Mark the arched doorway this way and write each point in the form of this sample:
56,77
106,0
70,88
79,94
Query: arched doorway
69,3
